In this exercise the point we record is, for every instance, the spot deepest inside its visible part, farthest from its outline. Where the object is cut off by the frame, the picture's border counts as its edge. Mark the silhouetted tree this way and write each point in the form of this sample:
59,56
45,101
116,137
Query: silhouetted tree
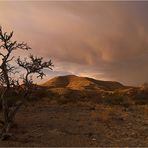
8,80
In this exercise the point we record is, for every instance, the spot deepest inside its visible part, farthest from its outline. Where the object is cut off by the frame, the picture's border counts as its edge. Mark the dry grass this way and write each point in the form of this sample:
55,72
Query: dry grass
46,123
86,117
107,113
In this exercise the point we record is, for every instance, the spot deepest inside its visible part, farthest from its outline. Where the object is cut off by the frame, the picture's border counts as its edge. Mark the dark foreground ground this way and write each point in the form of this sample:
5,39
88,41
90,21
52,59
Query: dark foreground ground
47,123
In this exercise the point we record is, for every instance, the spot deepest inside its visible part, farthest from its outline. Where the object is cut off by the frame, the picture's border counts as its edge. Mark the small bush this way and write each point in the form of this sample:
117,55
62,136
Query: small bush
112,100
141,97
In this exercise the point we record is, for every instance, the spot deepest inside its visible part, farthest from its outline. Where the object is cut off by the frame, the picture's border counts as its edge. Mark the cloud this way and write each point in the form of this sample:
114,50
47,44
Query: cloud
106,40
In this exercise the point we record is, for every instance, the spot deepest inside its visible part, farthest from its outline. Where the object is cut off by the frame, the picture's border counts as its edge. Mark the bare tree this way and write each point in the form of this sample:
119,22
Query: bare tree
8,81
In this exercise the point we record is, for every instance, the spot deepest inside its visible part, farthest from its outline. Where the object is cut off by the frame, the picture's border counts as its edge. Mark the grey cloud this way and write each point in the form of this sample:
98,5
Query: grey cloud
106,40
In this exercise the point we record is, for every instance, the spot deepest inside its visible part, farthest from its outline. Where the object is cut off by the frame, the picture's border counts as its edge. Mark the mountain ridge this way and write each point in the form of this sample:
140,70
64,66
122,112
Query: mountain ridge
79,83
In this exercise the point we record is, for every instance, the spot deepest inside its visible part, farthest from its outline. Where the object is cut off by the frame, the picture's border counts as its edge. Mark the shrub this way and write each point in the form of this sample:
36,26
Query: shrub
141,97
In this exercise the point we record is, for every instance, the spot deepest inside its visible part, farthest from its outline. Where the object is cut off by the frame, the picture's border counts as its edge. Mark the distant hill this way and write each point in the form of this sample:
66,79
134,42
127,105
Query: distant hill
80,83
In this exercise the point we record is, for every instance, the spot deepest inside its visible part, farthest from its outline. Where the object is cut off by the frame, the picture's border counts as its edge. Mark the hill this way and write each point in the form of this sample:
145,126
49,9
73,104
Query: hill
73,88
80,83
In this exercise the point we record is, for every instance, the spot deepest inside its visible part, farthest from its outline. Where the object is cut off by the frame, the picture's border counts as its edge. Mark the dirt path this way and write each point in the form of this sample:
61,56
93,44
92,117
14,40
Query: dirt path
84,124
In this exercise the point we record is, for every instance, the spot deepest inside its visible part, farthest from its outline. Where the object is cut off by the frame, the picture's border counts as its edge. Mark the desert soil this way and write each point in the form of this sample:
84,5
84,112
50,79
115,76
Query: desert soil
46,123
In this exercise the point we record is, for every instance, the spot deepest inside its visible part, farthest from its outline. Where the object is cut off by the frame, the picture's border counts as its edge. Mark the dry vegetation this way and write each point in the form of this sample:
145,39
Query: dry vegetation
66,116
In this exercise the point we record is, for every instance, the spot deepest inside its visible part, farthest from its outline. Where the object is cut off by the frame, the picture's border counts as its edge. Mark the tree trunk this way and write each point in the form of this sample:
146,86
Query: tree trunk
9,116
5,110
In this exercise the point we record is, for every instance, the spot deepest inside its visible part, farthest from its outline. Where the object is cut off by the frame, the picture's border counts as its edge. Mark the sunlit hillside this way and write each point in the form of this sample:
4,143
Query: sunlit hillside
80,83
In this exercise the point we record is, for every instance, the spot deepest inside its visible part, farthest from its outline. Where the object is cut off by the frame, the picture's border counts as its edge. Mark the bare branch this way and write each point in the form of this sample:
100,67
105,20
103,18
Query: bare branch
34,65
2,55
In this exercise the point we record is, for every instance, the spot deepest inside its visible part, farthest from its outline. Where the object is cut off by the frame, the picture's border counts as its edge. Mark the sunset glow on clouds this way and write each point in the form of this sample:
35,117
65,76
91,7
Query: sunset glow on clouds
105,40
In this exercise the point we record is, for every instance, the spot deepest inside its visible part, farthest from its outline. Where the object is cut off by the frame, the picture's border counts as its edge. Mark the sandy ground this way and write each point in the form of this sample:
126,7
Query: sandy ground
46,123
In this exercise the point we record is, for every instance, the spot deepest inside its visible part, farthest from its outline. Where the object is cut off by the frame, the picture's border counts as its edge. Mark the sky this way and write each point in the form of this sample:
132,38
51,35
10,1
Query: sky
102,40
